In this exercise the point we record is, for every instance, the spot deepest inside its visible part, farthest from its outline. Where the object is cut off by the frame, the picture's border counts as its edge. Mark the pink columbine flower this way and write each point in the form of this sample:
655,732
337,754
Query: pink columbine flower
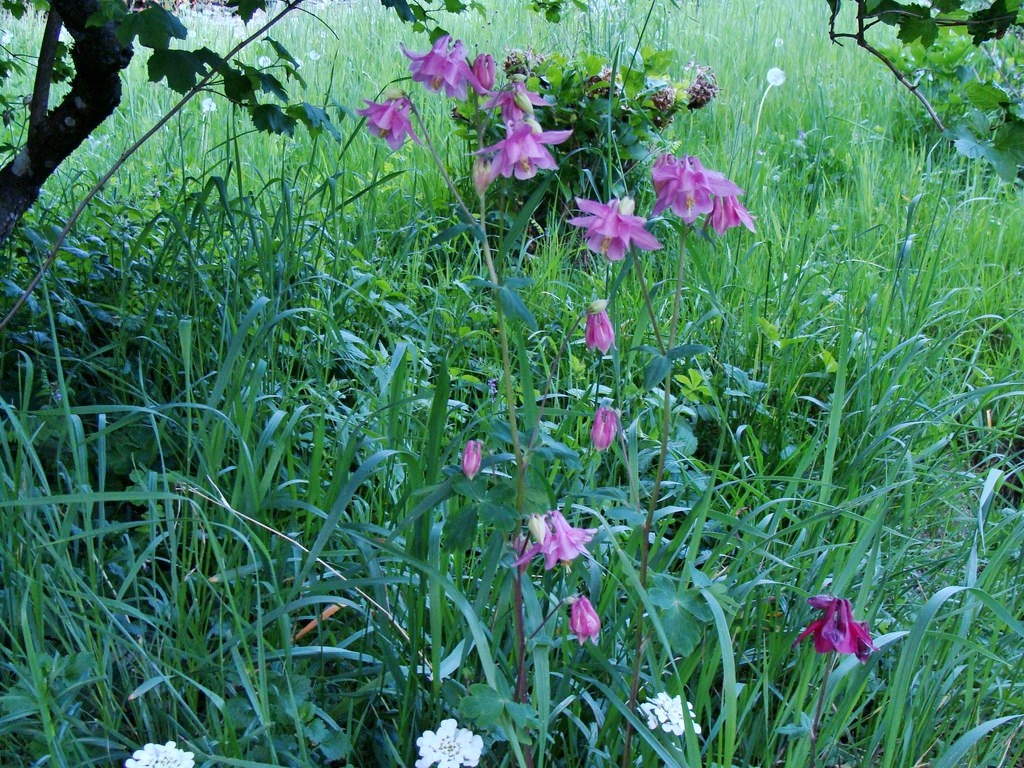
606,427
612,228
599,333
686,187
522,152
562,542
483,71
516,103
584,621
836,630
389,120
443,67
471,455
729,212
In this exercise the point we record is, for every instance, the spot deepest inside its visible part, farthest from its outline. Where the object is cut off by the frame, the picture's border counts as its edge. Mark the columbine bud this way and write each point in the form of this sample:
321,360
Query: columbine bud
482,176
599,333
522,101
584,621
538,528
471,455
393,92
483,68
606,426
626,206
534,125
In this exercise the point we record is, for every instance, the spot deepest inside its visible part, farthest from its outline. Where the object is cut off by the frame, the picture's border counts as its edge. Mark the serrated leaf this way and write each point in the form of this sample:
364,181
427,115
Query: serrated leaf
917,28
401,8
986,97
181,69
272,119
154,26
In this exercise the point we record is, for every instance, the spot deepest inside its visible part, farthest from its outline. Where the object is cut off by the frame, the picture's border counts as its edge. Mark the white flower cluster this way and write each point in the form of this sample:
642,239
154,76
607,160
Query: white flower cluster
160,756
450,747
666,712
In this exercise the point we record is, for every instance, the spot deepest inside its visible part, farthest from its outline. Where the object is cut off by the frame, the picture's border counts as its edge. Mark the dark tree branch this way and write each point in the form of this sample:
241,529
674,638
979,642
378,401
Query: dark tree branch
98,58
44,71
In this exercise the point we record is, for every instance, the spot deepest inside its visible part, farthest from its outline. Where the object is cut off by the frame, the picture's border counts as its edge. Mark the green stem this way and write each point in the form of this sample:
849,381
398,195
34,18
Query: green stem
817,714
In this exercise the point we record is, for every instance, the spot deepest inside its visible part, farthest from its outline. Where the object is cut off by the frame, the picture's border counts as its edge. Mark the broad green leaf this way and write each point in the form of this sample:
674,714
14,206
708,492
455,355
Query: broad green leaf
154,26
460,528
182,69
272,119
985,96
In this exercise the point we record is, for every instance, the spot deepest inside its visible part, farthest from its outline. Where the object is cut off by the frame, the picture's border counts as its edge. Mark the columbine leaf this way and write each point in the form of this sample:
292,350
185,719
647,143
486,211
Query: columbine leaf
460,528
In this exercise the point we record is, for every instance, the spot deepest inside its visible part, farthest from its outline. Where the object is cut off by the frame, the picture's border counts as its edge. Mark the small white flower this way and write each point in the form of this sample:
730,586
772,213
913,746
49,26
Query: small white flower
776,77
450,747
778,42
160,756
5,38
263,62
666,712
209,105
313,55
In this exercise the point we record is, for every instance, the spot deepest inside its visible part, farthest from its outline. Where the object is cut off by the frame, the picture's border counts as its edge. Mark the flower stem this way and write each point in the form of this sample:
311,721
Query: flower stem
817,714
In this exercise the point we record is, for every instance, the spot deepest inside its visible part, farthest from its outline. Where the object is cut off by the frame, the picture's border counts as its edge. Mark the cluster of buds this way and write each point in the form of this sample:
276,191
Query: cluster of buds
703,88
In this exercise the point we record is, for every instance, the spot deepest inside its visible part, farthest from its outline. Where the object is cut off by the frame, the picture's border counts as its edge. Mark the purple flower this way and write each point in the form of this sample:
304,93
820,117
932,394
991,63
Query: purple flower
606,427
836,630
471,458
729,212
389,120
441,67
599,333
561,543
612,228
522,152
516,102
483,71
584,621
686,186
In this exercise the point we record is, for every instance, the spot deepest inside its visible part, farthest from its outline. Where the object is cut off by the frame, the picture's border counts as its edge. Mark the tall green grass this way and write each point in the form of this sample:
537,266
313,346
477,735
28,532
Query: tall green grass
232,420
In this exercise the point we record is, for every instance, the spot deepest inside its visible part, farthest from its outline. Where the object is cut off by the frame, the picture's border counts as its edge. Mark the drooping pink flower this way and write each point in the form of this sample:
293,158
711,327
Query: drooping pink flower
584,621
685,186
562,543
729,212
606,427
389,120
443,66
611,227
516,102
836,630
522,152
599,333
483,70
471,455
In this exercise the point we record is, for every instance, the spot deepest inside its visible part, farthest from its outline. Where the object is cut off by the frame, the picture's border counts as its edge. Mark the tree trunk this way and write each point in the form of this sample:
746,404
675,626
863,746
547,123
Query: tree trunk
98,59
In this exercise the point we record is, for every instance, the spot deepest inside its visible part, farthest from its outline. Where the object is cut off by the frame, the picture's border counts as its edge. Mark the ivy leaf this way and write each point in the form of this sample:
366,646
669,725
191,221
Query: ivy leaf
154,26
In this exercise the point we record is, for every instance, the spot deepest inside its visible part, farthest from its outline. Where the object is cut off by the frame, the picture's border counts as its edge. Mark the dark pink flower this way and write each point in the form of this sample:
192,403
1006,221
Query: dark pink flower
516,102
611,227
442,67
729,212
483,71
836,630
686,187
599,333
584,621
471,455
522,152
606,427
562,542
389,120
